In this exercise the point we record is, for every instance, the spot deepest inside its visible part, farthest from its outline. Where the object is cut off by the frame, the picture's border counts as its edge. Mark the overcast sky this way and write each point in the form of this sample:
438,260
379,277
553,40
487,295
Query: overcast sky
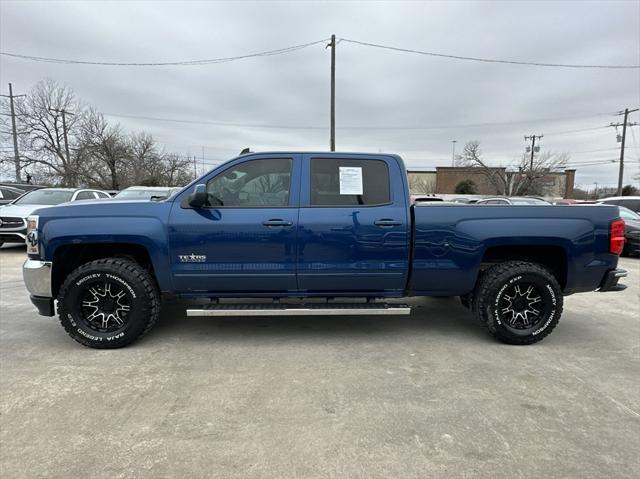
378,91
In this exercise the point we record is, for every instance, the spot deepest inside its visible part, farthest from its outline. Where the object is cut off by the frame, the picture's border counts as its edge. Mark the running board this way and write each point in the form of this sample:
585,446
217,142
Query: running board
312,309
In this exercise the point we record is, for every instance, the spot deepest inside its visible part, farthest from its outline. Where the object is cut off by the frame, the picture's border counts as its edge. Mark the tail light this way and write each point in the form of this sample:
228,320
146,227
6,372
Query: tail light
616,236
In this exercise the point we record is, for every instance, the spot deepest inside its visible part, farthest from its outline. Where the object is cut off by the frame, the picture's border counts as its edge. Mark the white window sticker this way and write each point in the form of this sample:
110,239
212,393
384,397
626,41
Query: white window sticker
350,180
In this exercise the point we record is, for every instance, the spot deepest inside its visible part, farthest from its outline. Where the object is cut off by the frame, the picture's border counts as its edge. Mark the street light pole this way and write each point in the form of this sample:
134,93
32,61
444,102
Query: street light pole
453,152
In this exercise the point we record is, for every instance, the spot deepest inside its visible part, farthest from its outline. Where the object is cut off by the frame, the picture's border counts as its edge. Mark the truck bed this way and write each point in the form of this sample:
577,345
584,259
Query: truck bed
451,243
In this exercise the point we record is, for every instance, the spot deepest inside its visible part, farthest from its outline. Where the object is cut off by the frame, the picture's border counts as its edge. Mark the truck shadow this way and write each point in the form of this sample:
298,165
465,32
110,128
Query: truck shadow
430,316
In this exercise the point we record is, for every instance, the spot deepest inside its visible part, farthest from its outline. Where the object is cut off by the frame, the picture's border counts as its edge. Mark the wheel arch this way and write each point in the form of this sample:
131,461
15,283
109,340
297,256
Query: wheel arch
68,257
552,257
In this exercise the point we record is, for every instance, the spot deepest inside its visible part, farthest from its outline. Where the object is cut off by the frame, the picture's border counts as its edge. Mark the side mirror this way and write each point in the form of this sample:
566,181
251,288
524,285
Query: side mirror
198,198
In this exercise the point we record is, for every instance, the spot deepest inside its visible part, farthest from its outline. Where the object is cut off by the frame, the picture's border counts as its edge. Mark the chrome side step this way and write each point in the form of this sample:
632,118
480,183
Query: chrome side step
312,309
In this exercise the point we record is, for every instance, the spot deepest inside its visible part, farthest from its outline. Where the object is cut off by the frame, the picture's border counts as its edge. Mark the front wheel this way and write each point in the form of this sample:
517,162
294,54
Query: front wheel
519,302
108,303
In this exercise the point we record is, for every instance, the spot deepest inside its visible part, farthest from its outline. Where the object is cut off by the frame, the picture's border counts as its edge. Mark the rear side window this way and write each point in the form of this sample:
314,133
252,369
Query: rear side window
336,182
85,195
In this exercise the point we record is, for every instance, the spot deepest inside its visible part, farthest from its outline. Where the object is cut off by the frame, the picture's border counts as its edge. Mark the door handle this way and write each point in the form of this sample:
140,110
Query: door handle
277,222
387,222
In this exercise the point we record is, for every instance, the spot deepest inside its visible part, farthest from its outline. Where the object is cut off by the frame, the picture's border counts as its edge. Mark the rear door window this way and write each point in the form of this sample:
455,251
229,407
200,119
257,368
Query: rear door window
336,182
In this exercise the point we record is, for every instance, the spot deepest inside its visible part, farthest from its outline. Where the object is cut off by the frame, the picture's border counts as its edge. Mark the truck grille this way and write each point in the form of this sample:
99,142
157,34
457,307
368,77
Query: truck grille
11,222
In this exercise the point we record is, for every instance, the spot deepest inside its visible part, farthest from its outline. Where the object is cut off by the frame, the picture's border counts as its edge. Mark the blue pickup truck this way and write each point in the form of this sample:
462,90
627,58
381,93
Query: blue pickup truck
313,234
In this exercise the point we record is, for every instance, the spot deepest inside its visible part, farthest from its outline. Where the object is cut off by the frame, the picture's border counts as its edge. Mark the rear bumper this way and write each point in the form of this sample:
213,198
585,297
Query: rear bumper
610,281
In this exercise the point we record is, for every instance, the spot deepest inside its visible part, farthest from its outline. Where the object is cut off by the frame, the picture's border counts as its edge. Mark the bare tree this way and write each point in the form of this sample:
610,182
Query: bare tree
46,137
62,142
525,179
104,150
530,178
151,166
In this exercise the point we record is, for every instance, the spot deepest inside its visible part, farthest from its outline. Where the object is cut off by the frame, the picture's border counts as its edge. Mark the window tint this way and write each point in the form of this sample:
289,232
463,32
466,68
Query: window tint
252,183
85,195
102,195
336,182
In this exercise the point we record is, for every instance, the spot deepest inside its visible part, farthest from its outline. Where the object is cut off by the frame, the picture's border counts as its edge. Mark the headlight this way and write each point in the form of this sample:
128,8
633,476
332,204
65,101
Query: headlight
33,245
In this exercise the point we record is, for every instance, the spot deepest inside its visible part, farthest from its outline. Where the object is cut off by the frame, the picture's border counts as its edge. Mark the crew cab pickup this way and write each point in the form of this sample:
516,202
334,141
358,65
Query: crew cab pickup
313,234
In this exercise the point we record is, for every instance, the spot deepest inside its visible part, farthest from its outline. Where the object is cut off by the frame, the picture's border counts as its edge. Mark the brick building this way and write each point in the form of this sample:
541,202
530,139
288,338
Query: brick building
445,179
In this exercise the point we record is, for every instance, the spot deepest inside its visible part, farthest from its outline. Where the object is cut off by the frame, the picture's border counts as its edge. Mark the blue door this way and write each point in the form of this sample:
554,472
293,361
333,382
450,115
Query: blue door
243,240
353,227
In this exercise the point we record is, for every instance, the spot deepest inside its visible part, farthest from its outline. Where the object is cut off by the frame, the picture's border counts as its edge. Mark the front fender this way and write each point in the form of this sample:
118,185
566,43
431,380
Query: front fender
148,232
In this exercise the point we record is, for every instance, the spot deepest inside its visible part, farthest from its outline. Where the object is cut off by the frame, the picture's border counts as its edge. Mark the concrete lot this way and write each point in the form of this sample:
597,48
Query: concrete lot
430,395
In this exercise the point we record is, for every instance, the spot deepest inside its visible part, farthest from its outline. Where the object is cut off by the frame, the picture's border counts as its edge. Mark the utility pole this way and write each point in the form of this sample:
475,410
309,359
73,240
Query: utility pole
332,141
16,153
195,171
533,148
595,195
624,137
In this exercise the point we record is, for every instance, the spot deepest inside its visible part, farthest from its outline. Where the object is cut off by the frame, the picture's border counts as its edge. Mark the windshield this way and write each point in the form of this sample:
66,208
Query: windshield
141,194
627,214
45,197
528,201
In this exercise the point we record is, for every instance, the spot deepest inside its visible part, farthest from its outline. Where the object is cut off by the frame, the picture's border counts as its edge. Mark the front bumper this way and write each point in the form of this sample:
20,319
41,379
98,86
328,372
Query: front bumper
610,281
37,279
13,236
13,229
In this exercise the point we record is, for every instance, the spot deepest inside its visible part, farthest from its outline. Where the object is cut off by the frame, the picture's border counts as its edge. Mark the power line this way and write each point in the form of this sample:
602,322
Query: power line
210,61
218,123
567,132
317,127
485,60
280,51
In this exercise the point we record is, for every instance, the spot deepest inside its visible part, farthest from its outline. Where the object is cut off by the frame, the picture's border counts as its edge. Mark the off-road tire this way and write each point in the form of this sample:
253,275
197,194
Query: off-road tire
133,279
497,281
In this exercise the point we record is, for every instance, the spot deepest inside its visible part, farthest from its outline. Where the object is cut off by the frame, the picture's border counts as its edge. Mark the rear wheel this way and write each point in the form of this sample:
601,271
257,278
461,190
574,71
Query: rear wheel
108,303
519,302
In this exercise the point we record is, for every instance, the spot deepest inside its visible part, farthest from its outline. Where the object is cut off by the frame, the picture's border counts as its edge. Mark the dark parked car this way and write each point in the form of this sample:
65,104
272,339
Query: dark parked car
8,194
23,186
631,202
631,231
